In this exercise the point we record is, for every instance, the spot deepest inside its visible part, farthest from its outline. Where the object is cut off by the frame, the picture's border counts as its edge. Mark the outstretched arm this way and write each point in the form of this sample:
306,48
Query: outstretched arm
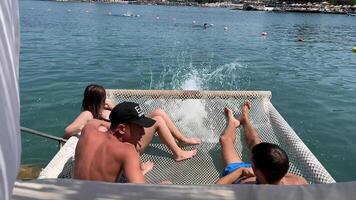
77,125
233,176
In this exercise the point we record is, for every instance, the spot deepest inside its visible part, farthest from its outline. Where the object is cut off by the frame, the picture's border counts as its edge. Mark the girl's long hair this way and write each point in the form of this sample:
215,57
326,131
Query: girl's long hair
94,100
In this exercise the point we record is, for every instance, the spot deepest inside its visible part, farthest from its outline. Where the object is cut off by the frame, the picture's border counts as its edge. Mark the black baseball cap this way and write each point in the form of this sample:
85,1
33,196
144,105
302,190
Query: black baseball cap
129,112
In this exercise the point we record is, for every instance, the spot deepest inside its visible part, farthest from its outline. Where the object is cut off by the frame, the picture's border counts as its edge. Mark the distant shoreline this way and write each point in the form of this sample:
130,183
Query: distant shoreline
324,8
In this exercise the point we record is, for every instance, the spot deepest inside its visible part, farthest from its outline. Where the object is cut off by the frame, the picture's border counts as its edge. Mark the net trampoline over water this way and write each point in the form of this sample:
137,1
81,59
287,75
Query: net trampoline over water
200,114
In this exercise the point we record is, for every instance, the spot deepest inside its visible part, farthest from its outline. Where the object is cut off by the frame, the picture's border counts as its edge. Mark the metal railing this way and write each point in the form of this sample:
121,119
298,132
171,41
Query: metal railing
60,141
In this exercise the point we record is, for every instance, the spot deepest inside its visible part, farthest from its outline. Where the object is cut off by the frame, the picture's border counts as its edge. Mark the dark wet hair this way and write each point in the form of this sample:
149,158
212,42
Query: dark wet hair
271,160
94,99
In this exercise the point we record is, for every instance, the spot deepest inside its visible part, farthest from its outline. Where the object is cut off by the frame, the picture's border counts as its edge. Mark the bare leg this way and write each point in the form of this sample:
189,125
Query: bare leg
227,139
167,138
172,127
252,138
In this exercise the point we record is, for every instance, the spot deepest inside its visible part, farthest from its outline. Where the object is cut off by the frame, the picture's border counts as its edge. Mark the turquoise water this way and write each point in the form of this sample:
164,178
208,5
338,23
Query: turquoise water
66,46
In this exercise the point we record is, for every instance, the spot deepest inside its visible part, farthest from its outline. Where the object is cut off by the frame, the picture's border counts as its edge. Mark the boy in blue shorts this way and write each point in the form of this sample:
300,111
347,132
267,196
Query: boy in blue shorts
269,163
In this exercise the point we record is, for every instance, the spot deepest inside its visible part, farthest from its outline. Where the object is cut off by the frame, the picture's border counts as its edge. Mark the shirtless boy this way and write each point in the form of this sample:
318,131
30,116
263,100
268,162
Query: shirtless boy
103,157
269,164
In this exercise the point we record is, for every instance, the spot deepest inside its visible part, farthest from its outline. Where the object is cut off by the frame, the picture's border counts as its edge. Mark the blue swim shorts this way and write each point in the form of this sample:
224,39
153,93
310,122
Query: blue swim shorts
235,166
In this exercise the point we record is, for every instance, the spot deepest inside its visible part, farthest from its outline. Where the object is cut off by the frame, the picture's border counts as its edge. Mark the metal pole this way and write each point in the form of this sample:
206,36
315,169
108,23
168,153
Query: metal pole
45,135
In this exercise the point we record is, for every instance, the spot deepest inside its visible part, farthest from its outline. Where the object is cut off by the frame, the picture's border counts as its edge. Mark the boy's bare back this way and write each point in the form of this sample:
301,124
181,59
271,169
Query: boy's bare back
101,156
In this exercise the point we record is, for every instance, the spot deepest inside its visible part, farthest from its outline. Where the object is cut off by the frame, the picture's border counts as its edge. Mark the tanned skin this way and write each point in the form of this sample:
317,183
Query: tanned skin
229,155
102,156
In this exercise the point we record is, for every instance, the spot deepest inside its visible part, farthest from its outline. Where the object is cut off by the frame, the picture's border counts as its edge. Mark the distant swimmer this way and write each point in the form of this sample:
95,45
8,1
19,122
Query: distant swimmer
226,28
264,33
300,39
206,25
129,14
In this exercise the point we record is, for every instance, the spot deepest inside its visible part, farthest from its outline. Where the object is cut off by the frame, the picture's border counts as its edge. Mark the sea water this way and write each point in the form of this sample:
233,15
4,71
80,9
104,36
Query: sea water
66,46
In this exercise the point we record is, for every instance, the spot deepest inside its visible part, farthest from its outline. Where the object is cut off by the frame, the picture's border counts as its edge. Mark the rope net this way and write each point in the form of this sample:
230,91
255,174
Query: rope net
200,114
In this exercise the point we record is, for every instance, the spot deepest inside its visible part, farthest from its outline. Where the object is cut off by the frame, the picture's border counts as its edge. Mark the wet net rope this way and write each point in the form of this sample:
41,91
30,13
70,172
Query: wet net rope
200,114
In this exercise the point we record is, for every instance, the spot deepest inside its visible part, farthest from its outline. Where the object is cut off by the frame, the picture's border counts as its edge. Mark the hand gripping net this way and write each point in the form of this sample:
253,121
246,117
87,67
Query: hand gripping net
200,114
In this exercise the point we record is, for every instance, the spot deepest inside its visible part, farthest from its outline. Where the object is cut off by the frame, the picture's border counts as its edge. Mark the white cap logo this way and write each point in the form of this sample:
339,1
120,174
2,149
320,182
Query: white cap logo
139,111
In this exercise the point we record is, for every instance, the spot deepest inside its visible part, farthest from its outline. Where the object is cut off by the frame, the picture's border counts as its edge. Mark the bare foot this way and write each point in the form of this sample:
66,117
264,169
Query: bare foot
191,141
146,167
183,155
230,117
245,112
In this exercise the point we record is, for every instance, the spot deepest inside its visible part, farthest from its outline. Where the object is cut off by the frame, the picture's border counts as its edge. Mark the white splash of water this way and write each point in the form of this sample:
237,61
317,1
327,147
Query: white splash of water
231,76
192,112
191,115
193,82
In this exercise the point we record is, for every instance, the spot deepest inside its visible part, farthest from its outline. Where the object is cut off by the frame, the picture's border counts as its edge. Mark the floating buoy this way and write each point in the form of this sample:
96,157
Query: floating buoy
354,49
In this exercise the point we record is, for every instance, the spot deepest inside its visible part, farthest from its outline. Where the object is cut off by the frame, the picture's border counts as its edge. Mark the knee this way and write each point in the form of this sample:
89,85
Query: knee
158,112
159,121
